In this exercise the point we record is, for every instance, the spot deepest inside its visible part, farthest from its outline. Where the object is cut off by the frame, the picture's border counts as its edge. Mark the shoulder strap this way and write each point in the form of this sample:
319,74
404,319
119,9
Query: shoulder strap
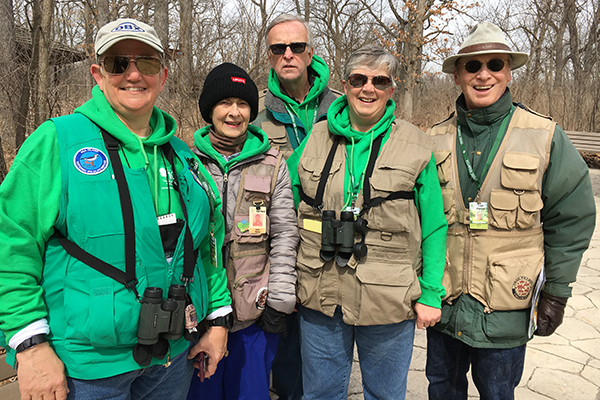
368,202
127,278
317,202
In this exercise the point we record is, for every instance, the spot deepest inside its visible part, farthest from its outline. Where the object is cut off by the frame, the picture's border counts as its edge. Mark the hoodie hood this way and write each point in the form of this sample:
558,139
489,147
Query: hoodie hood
338,120
101,113
317,69
256,143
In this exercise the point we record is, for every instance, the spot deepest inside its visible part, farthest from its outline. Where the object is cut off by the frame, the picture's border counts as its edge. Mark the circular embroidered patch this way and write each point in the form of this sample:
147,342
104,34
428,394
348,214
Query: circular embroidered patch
90,161
522,287
261,298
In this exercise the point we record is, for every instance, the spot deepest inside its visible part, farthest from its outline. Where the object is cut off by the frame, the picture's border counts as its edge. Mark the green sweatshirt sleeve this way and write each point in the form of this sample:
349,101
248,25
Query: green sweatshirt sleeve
428,198
216,277
568,216
292,163
29,206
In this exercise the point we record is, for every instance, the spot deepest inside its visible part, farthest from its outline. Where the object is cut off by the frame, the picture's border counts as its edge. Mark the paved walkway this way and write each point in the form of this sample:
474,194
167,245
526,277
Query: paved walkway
564,366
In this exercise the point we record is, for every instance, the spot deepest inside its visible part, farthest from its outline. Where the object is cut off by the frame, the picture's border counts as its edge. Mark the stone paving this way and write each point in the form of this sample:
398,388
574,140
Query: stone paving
564,366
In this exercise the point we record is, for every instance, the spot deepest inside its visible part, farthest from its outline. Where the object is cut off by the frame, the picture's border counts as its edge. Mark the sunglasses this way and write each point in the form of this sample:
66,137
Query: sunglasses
495,65
380,82
117,65
280,48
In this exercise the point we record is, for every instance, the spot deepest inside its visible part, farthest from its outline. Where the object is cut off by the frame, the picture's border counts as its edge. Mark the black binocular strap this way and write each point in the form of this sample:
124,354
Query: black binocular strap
127,278
189,254
368,201
317,202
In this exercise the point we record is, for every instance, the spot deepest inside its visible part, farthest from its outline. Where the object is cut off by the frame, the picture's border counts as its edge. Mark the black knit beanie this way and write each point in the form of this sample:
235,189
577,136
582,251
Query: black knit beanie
224,81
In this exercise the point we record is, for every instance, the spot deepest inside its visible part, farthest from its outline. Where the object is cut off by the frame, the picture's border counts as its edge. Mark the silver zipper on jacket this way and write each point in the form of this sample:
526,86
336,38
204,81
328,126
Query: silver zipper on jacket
224,197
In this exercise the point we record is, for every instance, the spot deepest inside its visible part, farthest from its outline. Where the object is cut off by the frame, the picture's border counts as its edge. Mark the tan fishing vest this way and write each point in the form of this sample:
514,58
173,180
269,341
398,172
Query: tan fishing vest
498,266
248,264
278,137
381,287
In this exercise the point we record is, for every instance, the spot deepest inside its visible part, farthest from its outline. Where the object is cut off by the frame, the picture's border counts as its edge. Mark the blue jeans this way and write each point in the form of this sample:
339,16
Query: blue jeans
152,383
496,372
327,350
287,366
244,374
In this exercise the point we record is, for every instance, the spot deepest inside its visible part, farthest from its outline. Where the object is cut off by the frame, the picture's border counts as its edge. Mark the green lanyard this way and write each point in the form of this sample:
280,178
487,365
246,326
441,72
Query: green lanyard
355,184
492,154
294,126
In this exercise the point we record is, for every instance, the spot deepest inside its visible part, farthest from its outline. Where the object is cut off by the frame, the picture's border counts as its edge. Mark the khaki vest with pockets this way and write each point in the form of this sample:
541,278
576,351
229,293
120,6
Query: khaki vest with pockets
498,266
380,288
248,264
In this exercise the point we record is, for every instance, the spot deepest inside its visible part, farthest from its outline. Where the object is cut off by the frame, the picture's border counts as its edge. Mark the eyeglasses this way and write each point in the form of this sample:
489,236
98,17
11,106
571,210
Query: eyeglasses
280,48
380,82
494,65
117,65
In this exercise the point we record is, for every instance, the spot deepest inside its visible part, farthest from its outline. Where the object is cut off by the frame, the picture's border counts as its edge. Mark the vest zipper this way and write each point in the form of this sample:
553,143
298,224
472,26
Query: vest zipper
224,197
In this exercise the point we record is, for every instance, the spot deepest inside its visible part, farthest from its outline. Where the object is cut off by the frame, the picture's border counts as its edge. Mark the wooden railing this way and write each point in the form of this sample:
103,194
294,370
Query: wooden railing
585,141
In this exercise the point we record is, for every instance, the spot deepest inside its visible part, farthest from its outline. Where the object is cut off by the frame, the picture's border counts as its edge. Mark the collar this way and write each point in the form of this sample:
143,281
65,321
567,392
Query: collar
483,116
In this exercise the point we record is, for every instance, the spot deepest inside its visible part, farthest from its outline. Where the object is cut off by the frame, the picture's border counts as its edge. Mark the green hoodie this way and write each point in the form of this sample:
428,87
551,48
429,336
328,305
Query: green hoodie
30,202
256,143
428,195
319,72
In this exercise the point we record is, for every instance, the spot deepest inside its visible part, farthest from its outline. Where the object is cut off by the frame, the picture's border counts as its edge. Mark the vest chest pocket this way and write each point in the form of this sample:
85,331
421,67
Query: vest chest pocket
443,163
520,171
392,215
514,209
310,170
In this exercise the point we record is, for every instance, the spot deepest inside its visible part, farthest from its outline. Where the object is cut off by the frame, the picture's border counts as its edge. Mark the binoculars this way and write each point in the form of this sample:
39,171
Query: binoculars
161,320
337,237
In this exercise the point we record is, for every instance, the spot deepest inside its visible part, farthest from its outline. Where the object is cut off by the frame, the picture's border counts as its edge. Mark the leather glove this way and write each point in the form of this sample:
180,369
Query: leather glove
273,321
551,310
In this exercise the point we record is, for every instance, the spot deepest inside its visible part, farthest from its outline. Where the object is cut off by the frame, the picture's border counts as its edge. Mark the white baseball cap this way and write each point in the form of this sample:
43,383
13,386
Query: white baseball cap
126,28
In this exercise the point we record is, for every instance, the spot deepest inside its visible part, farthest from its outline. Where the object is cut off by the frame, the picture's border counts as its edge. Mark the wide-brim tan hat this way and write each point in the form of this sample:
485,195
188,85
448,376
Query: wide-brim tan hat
126,28
485,38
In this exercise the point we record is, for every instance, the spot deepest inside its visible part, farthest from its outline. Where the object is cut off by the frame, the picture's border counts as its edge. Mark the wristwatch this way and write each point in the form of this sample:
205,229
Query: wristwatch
225,321
32,341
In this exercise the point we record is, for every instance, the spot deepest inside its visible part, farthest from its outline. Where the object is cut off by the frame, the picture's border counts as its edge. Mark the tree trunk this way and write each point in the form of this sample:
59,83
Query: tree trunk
42,111
102,13
10,79
28,82
161,22
185,40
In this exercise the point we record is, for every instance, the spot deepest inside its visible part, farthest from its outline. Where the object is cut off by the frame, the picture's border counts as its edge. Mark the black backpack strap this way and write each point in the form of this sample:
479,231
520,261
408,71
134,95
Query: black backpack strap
189,254
127,278
317,202
368,202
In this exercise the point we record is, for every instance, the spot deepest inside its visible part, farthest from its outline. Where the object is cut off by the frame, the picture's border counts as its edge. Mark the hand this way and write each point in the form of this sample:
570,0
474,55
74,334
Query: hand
427,316
273,321
214,344
551,310
41,374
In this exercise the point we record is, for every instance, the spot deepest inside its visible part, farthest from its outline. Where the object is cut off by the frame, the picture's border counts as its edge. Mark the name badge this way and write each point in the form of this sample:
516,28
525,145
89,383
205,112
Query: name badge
478,215
258,220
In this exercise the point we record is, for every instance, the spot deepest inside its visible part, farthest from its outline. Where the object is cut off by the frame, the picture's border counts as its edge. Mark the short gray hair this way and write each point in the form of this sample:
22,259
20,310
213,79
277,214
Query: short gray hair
287,18
371,56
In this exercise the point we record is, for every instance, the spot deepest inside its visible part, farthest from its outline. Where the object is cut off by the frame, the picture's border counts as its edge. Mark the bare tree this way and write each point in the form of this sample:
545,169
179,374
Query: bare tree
45,39
7,68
